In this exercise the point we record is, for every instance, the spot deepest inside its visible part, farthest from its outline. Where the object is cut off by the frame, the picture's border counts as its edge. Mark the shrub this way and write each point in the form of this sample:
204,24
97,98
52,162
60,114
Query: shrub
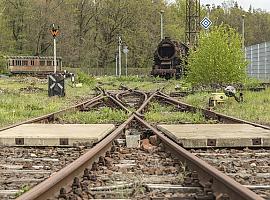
85,78
219,59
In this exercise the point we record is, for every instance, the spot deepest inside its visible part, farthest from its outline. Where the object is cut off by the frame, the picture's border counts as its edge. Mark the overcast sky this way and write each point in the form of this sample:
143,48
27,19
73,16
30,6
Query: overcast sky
263,4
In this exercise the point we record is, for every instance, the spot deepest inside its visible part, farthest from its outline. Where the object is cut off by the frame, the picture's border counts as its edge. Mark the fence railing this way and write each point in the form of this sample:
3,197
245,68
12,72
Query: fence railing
259,60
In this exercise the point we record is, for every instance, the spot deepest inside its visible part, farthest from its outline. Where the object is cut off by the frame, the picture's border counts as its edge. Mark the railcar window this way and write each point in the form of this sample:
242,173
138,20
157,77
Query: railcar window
13,62
32,62
42,62
18,62
49,63
25,62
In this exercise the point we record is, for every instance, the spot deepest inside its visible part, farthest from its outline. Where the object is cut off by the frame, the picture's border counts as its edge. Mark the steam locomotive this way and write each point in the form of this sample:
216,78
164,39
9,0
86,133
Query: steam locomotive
170,59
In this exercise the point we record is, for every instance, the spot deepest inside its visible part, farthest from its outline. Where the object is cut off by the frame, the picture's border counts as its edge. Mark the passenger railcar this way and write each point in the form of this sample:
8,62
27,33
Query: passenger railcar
33,65
170,59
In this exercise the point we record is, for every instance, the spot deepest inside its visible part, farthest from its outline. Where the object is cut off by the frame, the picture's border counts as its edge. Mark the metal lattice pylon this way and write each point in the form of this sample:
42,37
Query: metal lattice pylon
192,21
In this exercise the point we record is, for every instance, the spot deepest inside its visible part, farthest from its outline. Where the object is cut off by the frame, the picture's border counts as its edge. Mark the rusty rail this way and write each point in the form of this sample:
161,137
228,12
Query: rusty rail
207,113
129,92
221,183
65,176
51,116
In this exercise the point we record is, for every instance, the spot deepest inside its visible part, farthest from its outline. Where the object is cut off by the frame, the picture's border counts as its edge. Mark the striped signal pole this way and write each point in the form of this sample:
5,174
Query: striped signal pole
55,32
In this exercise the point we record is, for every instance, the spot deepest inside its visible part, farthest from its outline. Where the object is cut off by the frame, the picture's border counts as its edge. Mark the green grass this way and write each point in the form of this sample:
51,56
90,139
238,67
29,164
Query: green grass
141,83
18,105
255,107
103,115
167,114
24,188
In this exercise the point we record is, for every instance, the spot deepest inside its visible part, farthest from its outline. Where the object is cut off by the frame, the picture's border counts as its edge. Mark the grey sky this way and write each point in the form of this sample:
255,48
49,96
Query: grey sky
263,4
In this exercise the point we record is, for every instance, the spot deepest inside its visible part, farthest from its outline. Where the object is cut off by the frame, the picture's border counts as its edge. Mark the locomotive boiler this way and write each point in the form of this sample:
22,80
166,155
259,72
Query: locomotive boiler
170,59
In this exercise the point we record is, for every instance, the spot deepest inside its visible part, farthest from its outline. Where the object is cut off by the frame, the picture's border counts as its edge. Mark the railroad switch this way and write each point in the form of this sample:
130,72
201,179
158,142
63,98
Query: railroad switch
220,98
217,98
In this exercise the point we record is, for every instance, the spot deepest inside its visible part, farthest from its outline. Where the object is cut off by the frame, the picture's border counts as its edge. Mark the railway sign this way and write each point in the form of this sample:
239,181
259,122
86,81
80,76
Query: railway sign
54,31
56,85
206,23
125,50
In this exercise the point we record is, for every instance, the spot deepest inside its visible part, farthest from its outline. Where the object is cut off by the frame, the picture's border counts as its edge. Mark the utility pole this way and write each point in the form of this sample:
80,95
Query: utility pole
116,64
161,24
243,32
125,50
119,54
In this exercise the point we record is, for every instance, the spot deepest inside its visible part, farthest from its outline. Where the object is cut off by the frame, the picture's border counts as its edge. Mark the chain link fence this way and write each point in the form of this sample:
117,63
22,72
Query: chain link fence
259,61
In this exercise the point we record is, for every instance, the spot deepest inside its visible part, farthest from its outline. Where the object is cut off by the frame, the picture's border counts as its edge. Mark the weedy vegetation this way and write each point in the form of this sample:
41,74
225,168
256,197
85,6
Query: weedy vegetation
23,189
255,107
168,114
20,100
103,115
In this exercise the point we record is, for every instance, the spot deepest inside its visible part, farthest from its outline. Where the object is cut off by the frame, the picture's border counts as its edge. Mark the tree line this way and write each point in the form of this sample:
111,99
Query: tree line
89,29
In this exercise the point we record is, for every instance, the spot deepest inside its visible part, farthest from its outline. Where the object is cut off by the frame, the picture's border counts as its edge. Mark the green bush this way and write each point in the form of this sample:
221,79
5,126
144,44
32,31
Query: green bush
219,59
84,78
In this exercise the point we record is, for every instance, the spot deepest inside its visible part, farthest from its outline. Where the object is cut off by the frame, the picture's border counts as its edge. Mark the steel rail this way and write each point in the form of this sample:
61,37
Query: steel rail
209,114
117,102
221,183
145,103
52,115
65,176
117,96
129,92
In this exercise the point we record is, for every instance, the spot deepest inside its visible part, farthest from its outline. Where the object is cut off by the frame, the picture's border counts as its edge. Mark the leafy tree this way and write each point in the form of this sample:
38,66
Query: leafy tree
3,63
218,59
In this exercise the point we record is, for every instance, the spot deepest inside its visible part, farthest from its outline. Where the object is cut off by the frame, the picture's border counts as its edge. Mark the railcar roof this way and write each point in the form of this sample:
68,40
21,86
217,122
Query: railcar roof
32,57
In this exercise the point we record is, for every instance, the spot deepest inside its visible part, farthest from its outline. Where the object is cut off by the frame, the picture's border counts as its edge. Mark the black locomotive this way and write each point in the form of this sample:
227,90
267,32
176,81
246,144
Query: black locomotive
170,59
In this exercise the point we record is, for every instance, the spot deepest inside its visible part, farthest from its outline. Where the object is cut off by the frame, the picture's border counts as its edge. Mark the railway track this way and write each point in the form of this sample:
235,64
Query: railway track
149,172
24,167
250,167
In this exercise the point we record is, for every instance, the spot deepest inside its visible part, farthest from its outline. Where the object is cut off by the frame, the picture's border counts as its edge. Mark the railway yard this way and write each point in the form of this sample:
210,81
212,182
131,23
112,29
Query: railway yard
117,141
134,100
